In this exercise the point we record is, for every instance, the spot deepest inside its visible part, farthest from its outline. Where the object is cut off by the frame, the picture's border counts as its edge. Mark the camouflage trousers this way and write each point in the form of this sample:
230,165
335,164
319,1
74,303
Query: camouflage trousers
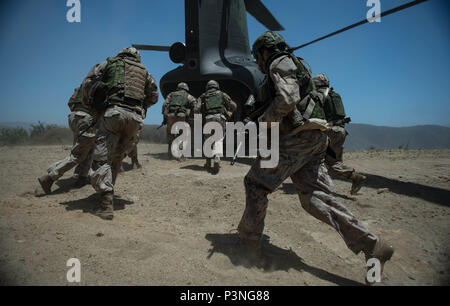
133,153
171,120
80,155
222,121
302,159
117,134
336,136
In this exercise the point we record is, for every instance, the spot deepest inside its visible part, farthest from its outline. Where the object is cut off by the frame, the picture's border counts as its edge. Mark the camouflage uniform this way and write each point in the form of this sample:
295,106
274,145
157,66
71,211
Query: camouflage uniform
176,113
336,135
220,115
302,159
130,91
133,154
81,118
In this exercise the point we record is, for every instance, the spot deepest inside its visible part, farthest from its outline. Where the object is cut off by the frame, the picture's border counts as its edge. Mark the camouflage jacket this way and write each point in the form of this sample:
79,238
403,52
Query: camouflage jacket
191,105
282,71
97,73
230,105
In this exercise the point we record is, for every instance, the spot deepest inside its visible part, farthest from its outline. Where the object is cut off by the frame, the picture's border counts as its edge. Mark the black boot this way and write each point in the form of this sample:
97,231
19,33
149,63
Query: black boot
46,183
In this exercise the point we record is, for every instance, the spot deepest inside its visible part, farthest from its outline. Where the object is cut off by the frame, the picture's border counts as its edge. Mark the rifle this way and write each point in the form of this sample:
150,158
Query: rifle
236,154
342,121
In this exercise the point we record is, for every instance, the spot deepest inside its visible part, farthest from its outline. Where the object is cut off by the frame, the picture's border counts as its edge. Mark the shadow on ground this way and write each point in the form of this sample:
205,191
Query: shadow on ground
160,156
89,204
164,156
65,185
195,168
270,259
431,194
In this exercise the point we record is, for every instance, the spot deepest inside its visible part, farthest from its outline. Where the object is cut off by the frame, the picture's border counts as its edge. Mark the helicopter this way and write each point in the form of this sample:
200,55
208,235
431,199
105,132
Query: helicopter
217,48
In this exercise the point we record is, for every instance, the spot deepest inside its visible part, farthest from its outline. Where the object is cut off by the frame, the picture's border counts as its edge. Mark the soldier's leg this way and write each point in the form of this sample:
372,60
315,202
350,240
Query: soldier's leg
80,150
129,137
218,148
315,189
81,171
133,154
102,180
336,164
259,182
181,146
294,153
170,136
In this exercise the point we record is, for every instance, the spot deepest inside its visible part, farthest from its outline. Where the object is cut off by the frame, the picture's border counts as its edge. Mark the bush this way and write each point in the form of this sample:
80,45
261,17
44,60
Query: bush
38,134
52,134
13,136
40,129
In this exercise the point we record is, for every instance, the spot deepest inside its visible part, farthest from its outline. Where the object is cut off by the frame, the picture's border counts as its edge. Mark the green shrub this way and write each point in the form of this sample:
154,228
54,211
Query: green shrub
13,136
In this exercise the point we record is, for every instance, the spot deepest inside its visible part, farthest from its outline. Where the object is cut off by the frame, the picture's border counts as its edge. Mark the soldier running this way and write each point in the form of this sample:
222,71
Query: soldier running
302,153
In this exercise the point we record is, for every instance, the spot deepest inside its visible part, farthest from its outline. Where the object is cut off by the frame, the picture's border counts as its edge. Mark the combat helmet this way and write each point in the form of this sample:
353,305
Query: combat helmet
212,84
130,51
183,86
321,80
269,40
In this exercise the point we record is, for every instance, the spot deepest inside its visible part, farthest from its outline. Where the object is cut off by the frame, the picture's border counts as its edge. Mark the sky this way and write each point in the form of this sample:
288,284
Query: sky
393,73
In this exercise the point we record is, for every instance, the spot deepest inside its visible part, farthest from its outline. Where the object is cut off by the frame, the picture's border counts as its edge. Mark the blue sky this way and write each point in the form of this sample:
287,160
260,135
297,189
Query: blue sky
393,73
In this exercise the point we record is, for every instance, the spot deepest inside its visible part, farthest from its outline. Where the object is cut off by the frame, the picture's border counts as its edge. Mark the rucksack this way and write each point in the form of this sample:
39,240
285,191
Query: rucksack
178,102
333,106
213,103
76,98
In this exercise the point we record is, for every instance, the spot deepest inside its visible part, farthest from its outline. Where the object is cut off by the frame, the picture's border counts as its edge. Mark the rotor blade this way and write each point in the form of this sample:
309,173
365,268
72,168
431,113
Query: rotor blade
257,9
394,10
152,48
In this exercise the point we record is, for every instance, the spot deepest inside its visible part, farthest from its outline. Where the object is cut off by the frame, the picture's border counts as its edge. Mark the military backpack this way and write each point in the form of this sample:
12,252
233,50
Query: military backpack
126,80
76,98
213,103
333,107
178,102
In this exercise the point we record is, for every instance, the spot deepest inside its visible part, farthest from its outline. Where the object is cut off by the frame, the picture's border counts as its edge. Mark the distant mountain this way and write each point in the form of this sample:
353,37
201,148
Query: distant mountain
364,136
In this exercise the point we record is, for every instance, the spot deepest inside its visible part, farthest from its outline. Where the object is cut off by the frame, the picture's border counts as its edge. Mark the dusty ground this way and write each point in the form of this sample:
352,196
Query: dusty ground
175,223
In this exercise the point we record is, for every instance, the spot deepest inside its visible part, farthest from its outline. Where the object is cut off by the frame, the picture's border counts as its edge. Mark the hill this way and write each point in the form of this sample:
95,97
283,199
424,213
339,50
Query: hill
364,136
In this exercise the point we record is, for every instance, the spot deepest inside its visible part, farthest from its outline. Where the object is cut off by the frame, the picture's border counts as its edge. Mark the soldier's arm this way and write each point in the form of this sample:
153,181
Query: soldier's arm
200,105
92,77
230,105
283,74
192,104
151,91
165,107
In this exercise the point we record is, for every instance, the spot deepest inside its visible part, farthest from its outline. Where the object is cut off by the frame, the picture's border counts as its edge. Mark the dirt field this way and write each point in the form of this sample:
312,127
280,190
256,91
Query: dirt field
175,223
